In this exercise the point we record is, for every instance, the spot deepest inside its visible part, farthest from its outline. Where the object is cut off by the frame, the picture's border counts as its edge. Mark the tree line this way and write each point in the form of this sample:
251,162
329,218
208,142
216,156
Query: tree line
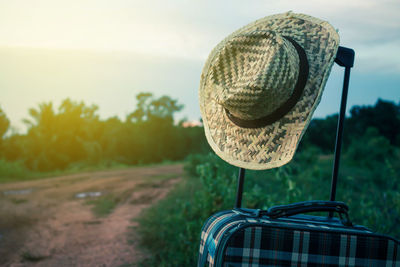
73,134
383,119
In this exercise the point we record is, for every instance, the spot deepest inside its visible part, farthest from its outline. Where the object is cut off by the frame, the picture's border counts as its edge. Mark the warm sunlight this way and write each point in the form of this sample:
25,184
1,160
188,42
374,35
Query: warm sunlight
93,25
132,133
106,53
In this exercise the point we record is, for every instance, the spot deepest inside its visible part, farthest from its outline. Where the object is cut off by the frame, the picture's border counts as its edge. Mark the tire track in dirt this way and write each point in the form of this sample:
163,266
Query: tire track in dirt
49,226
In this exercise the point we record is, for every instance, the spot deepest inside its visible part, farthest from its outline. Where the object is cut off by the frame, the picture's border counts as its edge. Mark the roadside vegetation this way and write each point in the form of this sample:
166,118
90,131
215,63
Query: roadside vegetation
369,182
73,138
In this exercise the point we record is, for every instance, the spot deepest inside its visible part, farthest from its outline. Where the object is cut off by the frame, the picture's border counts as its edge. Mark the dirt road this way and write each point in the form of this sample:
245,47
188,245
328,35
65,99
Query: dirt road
83,219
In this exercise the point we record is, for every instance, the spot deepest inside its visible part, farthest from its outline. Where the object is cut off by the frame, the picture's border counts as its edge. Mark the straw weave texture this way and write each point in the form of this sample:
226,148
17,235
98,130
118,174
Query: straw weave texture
251,73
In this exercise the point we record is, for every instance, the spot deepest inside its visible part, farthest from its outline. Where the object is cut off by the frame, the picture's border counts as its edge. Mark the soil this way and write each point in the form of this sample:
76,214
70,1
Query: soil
52,222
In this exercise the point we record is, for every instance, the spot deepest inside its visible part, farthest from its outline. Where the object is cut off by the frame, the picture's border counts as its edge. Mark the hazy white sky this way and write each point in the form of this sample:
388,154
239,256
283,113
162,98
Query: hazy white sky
188,28
180,30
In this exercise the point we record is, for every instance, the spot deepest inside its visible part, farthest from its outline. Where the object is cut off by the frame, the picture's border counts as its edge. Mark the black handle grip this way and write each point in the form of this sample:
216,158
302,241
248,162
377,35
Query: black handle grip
345,57
311,206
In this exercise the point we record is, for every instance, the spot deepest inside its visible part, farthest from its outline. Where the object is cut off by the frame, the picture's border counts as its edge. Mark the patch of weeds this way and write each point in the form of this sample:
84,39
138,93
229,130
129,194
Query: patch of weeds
18,200
13,171
174,223
127,265
103,206
132,236
166,176
156,181
28,256
143,199
148,184
92,222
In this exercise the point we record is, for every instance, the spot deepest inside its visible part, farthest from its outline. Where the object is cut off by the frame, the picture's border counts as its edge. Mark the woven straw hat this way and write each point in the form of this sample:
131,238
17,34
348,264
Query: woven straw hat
261,85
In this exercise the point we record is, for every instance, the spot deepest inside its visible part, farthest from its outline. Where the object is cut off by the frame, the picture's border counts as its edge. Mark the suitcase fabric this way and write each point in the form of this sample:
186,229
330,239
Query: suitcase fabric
233,238
252,238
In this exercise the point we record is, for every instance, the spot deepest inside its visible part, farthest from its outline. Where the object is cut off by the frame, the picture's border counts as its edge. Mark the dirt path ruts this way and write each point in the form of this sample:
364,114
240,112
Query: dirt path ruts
43,223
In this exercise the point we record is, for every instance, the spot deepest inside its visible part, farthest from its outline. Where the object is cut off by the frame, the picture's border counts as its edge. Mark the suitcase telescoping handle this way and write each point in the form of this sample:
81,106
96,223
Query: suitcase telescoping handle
301,208
311,206
344,58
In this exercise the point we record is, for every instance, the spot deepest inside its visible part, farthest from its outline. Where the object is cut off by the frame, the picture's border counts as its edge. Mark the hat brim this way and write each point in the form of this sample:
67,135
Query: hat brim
273,145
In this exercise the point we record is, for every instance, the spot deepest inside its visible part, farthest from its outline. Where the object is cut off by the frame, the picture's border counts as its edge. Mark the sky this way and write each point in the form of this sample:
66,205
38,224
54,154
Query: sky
106,52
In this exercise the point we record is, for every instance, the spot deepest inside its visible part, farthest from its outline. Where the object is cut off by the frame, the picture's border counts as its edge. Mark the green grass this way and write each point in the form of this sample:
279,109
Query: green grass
127,265
18,200
163,177
170,230
155,181
16,171
103,206
92,222
11,171
177,225
28,256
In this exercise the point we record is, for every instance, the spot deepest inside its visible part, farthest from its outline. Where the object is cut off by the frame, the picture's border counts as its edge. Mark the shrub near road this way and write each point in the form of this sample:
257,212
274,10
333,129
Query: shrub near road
171,230
73,136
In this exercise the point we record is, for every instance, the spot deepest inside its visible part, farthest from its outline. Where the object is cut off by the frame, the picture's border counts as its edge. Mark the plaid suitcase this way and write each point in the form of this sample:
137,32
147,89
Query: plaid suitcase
282,237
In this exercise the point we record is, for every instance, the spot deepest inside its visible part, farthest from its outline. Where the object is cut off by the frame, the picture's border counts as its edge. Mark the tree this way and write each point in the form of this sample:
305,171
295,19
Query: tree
55,140
73,133
4,125
152,127
384,116
321,133
148,108
164,108
142,108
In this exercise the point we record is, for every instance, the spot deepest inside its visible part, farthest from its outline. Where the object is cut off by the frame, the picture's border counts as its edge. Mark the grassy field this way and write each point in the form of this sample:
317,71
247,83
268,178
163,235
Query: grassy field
170,231
16,171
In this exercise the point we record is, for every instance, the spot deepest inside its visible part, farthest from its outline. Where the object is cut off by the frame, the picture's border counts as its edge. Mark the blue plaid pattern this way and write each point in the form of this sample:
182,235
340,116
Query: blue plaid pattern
256,242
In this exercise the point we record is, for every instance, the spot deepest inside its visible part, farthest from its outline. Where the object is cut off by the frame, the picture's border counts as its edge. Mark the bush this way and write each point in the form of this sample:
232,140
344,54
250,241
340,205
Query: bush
10,171
370,150
175,223
171,229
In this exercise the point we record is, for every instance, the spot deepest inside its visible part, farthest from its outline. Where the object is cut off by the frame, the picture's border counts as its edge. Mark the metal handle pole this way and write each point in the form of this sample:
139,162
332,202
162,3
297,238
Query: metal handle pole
339,134
239,192
345,58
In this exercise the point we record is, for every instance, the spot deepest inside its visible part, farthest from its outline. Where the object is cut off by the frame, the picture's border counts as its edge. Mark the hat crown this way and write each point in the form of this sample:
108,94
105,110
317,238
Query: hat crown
254,74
